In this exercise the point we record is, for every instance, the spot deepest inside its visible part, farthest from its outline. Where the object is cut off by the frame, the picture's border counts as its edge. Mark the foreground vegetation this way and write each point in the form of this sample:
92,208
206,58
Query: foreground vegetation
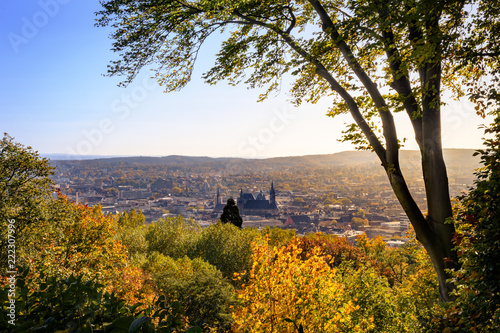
102,272
82,271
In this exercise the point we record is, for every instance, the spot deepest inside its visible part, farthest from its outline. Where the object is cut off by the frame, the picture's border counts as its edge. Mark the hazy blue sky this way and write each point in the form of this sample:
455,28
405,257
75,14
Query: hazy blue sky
53,97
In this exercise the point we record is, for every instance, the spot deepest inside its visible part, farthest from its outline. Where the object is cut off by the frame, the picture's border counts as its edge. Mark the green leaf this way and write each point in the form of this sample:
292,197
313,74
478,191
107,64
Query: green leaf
136,325
121,324
194,329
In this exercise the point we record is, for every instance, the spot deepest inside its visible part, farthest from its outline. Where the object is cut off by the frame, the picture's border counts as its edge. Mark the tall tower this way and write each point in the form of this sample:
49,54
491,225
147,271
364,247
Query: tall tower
240,202
240,199
272,194
218,199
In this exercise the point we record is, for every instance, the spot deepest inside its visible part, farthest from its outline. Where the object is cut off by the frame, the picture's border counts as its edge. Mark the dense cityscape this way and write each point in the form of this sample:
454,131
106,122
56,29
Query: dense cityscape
345,194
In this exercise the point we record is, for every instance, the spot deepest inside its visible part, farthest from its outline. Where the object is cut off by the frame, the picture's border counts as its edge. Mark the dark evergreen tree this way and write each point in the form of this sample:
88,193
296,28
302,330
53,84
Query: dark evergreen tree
231,214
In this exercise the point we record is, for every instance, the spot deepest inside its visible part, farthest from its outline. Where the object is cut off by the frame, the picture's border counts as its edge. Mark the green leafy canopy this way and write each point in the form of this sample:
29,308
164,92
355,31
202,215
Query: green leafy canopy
350,44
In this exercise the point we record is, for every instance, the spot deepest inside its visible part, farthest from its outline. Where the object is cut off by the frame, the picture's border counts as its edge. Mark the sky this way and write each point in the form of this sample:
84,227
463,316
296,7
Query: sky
55,98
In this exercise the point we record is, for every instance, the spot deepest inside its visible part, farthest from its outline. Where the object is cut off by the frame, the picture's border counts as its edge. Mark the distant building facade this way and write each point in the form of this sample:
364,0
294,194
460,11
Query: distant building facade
161,184
298,220
219,206
248,204
259,206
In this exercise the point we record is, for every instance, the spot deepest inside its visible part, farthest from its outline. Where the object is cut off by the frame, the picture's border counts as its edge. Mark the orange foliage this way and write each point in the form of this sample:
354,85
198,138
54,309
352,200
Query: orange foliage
338,248
287,293
79,240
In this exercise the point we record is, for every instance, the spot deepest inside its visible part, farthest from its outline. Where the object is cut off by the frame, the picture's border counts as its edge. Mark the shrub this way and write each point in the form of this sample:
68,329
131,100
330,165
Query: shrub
227,247
52,303
48,304
287,293
173,237
338,248
200,288
477,221
134,239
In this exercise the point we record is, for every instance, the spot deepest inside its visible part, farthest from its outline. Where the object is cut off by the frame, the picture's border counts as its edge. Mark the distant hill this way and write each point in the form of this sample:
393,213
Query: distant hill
70,157
365,157
409,158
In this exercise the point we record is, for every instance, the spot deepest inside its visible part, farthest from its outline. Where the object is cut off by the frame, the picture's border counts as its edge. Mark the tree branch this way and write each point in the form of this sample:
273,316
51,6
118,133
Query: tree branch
389,128
390,161
401,81
334,84
293,20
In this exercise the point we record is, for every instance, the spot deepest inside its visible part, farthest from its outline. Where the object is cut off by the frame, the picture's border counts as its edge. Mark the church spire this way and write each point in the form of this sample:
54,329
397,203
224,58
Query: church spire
272,194
218,199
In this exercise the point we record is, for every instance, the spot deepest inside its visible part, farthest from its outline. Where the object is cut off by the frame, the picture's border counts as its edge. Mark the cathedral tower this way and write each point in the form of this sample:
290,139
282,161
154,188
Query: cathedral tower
218,199
272,194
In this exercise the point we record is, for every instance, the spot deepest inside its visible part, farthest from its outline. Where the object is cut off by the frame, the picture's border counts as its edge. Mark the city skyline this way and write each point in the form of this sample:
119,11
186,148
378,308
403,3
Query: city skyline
55,99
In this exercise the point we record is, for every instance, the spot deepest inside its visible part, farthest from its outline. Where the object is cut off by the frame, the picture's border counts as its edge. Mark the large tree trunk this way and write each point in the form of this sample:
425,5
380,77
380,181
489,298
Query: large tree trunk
435,176
431,230
433,234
